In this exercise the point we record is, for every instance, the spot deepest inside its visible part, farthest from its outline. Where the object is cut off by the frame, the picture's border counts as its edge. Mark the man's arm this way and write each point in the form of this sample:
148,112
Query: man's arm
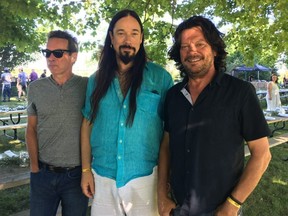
255,168
87,181
165,204
32,143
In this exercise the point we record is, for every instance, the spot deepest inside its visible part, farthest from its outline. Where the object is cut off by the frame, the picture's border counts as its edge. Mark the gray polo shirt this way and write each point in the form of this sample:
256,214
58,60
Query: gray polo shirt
58,111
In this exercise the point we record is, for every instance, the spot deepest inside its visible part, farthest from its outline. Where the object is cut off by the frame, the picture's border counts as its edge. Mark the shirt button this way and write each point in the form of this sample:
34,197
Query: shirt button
188,150
122,124
120,141
119,157
124,106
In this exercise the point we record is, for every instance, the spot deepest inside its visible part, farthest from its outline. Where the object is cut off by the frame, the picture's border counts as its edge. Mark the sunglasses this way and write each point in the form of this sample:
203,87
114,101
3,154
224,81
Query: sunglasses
58,53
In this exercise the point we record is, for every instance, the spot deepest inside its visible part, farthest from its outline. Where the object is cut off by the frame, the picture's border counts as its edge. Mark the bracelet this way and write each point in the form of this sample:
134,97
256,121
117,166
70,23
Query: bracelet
86,170
233,202
236,200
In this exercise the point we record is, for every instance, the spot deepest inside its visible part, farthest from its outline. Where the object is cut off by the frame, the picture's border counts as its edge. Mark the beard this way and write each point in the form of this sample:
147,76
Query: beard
125,56
197,70
196,73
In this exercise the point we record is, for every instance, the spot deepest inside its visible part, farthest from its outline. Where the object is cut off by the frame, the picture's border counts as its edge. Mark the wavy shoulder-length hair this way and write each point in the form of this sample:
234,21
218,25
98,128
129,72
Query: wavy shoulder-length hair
212,35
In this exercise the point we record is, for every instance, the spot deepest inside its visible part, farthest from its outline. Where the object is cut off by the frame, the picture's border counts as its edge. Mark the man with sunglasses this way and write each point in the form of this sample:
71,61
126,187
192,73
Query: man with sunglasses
53,131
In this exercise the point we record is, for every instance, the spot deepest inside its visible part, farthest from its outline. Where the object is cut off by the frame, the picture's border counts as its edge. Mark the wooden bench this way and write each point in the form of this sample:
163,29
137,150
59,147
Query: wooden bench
14,127
273,141
14,176
7,118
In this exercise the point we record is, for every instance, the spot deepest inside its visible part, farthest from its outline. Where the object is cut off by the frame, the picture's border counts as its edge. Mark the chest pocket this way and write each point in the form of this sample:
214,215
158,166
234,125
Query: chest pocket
148,102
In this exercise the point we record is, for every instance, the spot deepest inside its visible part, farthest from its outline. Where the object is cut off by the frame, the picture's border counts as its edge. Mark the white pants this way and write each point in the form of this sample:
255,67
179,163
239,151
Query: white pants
136,198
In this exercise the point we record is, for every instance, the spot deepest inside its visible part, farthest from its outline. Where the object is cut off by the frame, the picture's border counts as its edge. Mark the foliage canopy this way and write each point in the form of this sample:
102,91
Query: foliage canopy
256,29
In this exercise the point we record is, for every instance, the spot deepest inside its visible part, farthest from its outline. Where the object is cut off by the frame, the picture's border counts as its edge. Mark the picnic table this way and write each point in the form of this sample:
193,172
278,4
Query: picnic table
12,120
13,176
278,123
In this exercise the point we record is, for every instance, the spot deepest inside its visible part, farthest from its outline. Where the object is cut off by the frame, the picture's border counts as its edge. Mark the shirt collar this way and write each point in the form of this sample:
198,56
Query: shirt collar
216,80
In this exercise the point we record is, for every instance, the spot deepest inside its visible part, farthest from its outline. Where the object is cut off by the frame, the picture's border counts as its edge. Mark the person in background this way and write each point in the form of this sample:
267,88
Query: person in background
251,78
6,85
208,116
273,95
43,75
53,131
123,123
33,76
22,84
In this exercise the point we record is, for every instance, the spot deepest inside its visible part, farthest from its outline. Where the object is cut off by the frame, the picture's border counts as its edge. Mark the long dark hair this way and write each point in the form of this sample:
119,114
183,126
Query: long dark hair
211,34
108,66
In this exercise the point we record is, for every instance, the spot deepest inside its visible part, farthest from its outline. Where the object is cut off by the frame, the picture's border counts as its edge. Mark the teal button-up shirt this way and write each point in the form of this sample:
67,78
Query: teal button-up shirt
120,152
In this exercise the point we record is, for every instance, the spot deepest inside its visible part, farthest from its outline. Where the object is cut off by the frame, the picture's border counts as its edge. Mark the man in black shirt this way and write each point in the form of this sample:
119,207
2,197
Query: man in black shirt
208,117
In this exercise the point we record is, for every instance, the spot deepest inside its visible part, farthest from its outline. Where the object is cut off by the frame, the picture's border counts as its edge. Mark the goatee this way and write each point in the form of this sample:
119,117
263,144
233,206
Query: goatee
125,56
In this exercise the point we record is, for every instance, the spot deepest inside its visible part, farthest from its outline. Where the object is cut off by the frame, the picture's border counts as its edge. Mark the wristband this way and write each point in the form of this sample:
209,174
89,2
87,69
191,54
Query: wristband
236,200
86,170
233,202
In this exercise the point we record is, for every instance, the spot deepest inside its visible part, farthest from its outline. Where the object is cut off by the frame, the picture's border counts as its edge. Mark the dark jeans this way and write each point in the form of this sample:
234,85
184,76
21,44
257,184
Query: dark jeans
6,92
48,188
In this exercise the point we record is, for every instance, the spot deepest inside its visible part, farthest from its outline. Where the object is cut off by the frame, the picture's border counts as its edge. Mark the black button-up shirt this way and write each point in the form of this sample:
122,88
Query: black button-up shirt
207,140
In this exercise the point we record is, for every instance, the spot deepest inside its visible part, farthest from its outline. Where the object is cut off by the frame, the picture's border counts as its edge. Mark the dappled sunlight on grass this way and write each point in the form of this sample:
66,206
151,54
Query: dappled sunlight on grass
279,181
7,143
14,142
16,145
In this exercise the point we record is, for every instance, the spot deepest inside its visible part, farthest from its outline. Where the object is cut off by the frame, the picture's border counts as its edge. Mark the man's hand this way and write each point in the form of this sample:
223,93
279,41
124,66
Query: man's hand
87,184
34,167
34,170
165,205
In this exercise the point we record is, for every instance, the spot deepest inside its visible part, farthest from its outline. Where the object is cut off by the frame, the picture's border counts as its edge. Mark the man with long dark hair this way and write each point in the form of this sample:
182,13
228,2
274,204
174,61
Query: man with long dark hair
123,126
207,118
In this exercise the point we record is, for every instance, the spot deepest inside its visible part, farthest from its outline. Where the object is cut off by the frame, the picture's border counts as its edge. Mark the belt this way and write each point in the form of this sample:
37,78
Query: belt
56,169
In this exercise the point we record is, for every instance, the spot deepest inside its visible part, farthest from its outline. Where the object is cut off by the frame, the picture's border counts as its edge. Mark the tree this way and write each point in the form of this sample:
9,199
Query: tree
256,29
24,24
10,57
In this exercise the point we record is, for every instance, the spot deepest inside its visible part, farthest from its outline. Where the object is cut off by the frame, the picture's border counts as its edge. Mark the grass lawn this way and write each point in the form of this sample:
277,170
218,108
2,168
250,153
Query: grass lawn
14,200
270,198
